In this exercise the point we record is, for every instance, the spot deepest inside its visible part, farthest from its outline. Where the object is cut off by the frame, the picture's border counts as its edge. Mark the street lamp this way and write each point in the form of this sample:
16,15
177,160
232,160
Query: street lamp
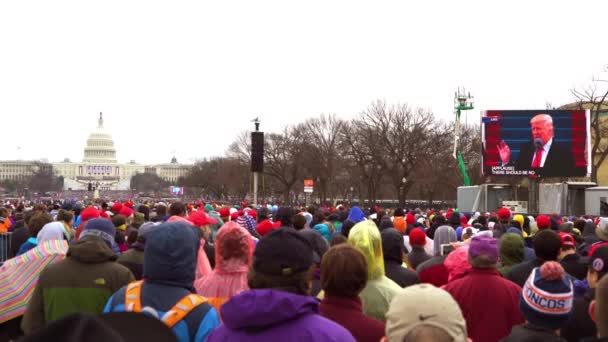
351,194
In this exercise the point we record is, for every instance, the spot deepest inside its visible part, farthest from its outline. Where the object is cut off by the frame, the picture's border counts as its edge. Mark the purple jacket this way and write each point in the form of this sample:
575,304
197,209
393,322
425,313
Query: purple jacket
272,315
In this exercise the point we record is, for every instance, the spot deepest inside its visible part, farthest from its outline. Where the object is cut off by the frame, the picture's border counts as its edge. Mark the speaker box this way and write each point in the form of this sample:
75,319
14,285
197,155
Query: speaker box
257,151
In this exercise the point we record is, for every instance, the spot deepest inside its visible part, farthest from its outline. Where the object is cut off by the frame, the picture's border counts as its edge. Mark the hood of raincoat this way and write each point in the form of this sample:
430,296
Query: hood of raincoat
511,249
258,309
392,245
457,263
323,229
443,235
356,214
233,248
52,231
365,236
170,254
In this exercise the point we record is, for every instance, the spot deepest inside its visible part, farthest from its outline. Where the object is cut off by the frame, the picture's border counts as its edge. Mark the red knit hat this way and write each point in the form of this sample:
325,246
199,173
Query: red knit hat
417,237
224,212
126,211
410,219
543,222
504,213
89,213
116,207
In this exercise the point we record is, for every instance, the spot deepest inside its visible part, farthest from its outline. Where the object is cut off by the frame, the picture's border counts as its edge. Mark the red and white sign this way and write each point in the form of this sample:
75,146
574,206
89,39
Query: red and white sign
308,185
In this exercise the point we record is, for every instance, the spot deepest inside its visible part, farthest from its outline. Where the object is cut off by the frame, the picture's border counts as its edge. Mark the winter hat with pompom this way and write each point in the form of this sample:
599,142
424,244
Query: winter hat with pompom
547,296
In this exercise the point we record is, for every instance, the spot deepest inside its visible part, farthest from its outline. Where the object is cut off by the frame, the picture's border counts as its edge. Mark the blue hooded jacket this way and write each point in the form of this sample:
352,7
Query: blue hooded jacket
356,215
169,269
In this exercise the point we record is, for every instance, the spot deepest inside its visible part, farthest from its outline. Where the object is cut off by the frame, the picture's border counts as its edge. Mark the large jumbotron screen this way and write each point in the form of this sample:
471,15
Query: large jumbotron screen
537,143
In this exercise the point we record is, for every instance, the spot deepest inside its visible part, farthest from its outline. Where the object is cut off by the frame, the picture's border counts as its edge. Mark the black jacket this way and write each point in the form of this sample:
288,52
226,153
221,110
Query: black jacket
530,333
571,263
520,272
392,249
18,238
559,161
580,324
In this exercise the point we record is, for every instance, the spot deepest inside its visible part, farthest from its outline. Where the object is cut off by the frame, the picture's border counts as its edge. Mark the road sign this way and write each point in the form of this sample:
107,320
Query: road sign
308,185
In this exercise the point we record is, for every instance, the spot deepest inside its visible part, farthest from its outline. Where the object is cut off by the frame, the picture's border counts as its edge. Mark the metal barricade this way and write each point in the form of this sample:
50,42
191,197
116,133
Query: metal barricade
5,247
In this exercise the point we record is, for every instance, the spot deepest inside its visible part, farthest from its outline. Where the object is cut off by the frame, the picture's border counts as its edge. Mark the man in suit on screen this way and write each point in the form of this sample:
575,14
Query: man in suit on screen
543,154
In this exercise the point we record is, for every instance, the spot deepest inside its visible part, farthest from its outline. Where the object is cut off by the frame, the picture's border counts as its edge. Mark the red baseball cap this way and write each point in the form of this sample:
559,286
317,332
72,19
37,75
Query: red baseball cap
266,226
199,218
567,239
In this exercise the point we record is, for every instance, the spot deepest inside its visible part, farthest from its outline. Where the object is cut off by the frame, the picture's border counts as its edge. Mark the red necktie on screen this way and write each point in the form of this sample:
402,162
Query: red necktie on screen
538,157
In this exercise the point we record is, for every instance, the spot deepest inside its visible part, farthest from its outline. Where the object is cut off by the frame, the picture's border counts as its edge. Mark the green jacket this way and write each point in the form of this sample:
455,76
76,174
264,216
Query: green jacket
82,282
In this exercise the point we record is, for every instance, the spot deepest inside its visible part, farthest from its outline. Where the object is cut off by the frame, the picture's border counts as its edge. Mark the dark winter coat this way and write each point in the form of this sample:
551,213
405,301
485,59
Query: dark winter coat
580,324
348,312
520,273
530,333
572,265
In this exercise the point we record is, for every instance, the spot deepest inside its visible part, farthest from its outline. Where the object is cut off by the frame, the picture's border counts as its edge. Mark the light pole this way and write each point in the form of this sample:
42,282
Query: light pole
403,181
462,102
351,195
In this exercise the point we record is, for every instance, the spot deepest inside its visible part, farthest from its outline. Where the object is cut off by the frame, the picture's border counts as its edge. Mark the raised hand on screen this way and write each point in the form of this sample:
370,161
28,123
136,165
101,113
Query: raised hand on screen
504,151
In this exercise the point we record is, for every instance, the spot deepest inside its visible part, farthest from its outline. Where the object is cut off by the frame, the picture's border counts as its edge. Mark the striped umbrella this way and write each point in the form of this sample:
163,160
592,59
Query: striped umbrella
19,275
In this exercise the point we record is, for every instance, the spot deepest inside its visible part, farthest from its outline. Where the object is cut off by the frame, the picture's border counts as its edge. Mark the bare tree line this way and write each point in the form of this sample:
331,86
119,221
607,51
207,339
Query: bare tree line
388,151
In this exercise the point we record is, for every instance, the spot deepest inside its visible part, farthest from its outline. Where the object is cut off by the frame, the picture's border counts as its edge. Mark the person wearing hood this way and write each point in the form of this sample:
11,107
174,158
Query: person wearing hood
133,259
233,254
482,285
433,271
528,252
167,289
511,252
589,238
380,290
278,306
343,277
393,251
356,215
457,263
83,281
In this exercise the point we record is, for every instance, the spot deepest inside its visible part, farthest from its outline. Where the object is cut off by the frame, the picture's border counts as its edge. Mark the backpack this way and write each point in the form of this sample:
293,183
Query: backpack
175,314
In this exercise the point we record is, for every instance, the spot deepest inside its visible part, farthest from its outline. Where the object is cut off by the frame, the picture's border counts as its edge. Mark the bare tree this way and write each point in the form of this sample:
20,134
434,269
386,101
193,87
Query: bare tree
593,97
282,153
322,137
405,138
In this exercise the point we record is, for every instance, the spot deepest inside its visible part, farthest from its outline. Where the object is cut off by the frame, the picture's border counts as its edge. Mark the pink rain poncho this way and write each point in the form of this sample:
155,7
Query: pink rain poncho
233,256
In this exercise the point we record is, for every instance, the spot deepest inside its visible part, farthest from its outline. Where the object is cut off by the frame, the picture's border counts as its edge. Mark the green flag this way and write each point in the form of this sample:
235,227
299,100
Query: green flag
463,170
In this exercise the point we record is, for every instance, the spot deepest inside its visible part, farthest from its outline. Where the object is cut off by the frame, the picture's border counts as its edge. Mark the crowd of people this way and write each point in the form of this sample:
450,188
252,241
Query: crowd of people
209,272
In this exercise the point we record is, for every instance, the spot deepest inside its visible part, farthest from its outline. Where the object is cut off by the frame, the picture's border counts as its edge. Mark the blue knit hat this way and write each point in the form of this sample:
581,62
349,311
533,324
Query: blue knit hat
547,296
100,227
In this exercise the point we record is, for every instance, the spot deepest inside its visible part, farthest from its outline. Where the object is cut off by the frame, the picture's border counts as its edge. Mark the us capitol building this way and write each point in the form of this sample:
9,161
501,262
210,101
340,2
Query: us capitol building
99,166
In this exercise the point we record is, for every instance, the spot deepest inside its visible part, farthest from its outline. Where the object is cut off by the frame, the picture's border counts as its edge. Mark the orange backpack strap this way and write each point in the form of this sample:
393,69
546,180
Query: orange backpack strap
181,309
133,297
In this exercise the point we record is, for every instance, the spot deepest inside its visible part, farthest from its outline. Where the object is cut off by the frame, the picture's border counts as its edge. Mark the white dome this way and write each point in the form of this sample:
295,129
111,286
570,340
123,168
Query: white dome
100,146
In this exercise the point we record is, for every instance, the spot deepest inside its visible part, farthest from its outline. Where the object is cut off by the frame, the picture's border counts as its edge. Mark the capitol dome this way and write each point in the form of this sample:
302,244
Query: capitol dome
100,146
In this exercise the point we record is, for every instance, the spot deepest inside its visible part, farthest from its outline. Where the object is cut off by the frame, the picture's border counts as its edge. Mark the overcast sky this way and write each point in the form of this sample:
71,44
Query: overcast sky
188,76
